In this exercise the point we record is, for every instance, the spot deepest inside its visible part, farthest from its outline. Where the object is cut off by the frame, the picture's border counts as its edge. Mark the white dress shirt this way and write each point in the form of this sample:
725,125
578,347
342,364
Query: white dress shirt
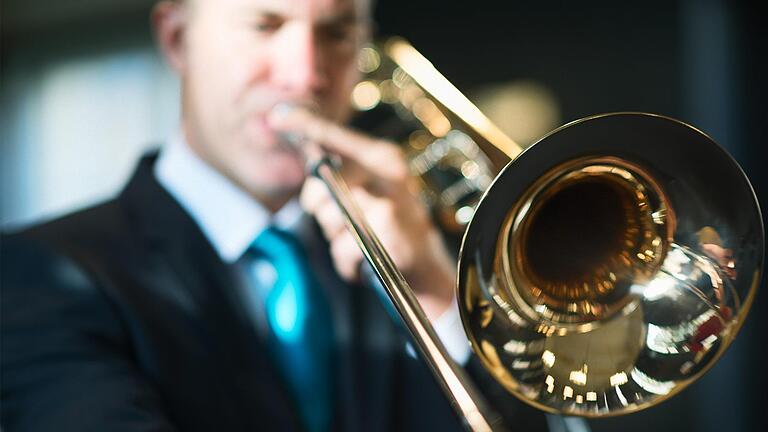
231,220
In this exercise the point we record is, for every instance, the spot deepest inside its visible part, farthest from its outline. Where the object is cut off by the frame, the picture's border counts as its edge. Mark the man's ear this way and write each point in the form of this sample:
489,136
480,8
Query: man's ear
169,21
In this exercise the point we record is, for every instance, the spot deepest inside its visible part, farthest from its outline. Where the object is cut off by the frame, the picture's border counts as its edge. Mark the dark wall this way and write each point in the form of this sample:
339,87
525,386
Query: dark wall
595,56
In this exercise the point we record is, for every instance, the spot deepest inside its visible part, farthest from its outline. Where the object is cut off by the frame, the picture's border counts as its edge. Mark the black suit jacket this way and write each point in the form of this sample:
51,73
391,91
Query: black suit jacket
123,317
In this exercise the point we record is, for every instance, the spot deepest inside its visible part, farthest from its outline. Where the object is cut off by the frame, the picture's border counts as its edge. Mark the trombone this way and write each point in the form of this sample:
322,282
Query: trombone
604,269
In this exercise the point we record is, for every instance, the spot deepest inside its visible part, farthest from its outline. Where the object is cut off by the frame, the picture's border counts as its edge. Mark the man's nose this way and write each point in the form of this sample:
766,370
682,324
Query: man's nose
298,69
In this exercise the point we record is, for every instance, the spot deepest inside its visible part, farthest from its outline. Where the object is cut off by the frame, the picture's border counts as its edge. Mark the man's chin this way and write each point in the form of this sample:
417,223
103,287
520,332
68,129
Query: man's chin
286,169
277,186
277,196
288,182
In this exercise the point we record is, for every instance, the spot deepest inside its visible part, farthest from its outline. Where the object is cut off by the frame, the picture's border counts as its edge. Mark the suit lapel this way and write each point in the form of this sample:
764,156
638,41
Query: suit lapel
252,396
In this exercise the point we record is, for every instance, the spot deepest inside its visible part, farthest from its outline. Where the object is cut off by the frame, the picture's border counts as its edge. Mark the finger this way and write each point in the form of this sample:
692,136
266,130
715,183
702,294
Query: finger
327,212
379,157
331,220
317,201
346,257
314,194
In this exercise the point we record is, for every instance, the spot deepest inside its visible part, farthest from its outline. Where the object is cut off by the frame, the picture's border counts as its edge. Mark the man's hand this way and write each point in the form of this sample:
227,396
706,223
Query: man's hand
381,184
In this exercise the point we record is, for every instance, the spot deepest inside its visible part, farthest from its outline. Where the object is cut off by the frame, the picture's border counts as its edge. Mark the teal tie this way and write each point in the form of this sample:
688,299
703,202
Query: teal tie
300,337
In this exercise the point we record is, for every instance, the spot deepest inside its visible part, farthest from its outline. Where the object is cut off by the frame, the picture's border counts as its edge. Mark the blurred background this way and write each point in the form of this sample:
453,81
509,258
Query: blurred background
84,94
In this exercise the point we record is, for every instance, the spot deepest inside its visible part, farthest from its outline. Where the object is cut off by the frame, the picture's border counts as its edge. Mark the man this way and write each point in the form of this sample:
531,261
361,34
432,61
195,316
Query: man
167,309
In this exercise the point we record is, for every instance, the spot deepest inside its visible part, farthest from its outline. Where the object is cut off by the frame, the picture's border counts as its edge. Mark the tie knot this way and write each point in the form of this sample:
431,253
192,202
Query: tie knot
275,244
286,258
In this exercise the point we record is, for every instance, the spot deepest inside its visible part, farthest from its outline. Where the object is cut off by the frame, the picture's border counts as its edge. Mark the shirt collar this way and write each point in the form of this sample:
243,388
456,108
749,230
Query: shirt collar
229,217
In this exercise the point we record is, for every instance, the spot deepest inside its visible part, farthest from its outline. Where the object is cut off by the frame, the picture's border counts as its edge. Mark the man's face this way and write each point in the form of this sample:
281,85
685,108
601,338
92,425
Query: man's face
242,57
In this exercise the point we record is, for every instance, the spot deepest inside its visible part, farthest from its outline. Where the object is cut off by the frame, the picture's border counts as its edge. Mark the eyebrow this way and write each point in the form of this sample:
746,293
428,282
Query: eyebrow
350,16
276,16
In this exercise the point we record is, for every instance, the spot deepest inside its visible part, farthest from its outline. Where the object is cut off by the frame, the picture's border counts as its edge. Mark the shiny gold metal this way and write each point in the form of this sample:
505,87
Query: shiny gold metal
605,268
610,264
450,145
471,407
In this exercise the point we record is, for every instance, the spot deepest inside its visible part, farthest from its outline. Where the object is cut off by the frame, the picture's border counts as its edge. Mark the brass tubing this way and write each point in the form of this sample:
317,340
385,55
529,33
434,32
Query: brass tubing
465,399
